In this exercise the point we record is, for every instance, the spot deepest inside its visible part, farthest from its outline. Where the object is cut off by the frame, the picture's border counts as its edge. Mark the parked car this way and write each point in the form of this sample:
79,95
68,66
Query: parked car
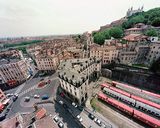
79,118
91,116
80,108
9,95
16,94
56,118
2,117
36,96
45,97
74,104
27,99
61,102
65,105
98,121
14,98
60,124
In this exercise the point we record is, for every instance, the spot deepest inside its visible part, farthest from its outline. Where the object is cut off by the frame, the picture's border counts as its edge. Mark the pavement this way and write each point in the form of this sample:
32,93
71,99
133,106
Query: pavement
87,122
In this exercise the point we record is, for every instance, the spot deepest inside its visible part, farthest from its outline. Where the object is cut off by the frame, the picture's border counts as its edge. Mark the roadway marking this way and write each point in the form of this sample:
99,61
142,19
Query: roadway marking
20,88
32,88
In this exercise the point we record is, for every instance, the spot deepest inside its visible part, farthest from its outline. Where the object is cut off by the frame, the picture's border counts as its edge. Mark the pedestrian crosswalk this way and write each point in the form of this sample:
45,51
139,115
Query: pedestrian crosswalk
28,90
31,88
20,88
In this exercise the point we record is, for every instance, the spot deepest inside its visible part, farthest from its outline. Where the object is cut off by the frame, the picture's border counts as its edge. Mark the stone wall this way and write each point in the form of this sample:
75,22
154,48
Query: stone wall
144,81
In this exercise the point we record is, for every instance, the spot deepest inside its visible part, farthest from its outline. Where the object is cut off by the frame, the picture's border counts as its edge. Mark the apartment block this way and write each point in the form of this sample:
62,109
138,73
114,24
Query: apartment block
127,57
75,75
13,68
154,52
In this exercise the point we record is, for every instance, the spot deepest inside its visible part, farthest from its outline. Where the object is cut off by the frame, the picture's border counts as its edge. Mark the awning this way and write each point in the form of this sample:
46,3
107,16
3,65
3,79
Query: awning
6,101
1,106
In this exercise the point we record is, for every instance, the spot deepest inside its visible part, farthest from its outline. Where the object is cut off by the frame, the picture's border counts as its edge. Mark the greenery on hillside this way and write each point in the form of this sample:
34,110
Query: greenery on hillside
25,43
100,37
151,17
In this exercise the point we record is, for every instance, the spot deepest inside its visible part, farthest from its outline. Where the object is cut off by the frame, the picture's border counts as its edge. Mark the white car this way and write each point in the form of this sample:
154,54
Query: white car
61,102
27,99
74,104
79,118
56,118
61,125
9,95
16,94
36,96
98,121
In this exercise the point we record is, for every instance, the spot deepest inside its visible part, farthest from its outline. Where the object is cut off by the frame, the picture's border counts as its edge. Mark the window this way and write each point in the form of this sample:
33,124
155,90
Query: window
75,93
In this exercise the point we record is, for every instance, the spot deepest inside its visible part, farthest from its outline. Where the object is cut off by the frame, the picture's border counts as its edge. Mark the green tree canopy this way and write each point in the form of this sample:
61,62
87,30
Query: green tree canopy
151,32
116,32
156,22
99,38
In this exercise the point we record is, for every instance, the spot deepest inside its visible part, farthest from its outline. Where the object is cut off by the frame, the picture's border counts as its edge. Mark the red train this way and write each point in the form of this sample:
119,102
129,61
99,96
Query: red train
155,123
137,98
134,88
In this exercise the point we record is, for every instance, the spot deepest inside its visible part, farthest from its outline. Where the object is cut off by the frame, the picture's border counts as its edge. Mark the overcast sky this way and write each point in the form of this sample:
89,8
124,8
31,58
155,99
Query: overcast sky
49,17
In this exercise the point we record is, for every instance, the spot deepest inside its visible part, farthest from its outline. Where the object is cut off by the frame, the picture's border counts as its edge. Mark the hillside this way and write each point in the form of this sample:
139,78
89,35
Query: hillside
151,17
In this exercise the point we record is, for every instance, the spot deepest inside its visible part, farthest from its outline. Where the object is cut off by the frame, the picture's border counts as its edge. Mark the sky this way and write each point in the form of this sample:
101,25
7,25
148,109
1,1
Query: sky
54,17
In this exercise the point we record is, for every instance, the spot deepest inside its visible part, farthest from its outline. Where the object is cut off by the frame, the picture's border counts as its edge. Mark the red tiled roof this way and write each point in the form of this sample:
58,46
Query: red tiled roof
41,113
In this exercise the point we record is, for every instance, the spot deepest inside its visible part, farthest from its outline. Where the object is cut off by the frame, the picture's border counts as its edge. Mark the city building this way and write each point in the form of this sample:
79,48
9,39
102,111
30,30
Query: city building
3,100
133,31
75,76
154,52
37,119
107,53
47,63
13,68
142,53
133,40
130,11
127,57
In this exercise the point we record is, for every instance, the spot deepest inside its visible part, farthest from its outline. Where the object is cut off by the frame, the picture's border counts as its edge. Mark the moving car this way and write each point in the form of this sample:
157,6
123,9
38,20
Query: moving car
45,97
27,99
36,96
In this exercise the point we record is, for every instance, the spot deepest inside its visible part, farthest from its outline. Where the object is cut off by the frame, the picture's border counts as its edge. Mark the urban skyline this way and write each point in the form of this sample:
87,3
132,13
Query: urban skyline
21,18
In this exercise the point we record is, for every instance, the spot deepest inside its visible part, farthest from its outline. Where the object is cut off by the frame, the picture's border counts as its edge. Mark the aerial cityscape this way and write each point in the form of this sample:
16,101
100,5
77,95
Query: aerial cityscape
105,77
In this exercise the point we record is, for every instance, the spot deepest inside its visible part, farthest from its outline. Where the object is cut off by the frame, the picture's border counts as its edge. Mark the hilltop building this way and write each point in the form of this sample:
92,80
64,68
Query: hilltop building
131,11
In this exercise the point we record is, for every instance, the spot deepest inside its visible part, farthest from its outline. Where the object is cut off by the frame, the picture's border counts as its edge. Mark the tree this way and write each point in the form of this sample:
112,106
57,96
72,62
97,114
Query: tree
151,32
116,32
156,22
106,34
99,38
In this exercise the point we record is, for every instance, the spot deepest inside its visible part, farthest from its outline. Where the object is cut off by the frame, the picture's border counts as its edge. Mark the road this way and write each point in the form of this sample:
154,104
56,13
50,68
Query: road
29,89
87,122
